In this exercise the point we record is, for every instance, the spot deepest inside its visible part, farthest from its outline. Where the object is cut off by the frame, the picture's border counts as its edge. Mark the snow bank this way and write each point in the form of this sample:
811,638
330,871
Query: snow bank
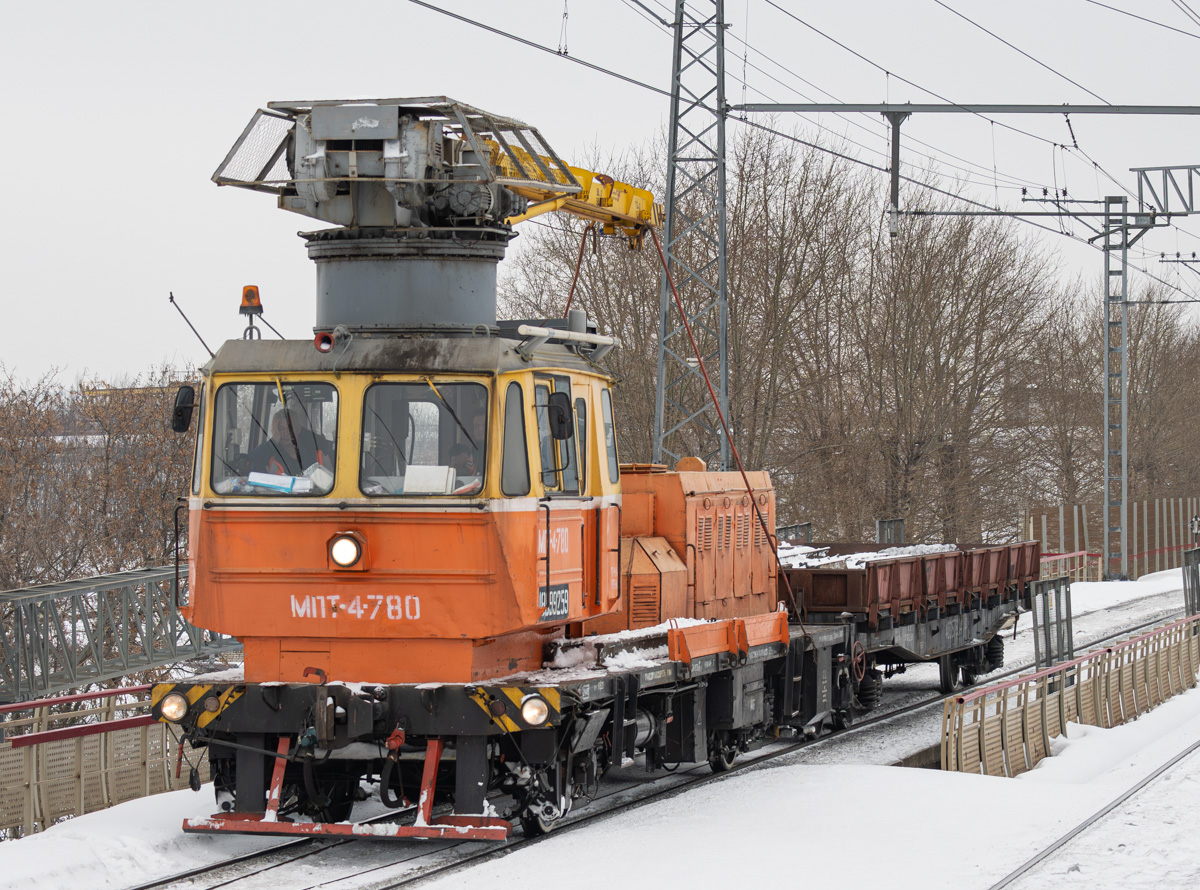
130,844
1094,595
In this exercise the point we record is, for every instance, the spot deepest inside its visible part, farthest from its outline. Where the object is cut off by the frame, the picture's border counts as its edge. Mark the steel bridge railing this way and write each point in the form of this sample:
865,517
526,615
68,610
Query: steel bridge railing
55,637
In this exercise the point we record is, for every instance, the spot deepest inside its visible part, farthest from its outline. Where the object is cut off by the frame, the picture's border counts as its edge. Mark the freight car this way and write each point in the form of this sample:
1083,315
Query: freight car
445,583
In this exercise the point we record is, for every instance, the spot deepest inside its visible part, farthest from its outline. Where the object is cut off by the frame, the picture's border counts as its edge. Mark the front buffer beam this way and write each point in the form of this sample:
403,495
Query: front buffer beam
463,827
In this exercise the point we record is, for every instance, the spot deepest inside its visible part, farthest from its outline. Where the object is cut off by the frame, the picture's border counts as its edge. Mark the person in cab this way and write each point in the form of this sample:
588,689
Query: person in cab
292,447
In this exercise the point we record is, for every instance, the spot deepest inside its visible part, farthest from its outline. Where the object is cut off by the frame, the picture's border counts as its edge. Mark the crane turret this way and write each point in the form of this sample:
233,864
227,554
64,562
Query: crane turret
421,195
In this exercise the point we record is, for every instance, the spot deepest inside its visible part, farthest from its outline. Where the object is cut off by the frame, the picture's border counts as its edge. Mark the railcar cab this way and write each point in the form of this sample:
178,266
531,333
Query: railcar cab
478,493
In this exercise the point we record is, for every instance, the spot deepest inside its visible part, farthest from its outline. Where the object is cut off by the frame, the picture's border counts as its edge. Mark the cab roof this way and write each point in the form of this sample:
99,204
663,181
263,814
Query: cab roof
488,354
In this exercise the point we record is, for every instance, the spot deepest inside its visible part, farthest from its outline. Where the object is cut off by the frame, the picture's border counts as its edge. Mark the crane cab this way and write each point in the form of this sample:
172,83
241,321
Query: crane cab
451,500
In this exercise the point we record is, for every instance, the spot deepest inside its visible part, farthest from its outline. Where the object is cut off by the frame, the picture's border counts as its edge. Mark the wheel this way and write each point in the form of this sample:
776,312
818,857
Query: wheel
720,755
950,678
328,795
546,805
968,676
995,652
535,825
870,690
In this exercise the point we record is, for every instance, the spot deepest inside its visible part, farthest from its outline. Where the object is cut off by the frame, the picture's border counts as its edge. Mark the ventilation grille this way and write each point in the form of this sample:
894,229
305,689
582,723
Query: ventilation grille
643,608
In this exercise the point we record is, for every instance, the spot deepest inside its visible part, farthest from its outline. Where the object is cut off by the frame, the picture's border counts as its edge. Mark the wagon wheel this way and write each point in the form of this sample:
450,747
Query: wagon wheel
858,661
949,675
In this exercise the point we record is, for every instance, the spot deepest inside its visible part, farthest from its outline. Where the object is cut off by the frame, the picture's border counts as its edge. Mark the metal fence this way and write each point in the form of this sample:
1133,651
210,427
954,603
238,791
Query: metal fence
1159,531
1053,623
57,763
1005,730
56,637
1191,581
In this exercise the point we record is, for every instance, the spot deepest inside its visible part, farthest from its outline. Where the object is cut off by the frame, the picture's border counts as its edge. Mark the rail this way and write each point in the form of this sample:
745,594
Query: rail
56,637
57,763
1005,730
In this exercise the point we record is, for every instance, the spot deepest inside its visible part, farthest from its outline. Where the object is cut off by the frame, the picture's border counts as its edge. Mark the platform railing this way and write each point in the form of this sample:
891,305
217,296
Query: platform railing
1005,730
57,763
58,637
1077,566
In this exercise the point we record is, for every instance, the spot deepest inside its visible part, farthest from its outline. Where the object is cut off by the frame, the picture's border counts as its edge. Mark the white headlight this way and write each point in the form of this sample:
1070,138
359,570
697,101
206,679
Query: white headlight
174,707
345,551
534,710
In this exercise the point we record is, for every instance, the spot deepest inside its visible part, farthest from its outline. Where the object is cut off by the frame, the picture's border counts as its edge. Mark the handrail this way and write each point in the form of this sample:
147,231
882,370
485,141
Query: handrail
69,699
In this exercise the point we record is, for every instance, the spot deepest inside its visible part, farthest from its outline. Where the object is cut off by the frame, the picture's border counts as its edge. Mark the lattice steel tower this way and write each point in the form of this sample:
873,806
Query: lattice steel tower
685,421
1115,241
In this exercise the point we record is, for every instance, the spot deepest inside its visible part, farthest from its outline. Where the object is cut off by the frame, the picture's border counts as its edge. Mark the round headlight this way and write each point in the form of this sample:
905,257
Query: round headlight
174,707
345,551
212,704
534,710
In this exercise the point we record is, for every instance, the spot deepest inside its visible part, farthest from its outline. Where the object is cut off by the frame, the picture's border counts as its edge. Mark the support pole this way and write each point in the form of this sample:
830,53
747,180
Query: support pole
695,240
1115,242
895,118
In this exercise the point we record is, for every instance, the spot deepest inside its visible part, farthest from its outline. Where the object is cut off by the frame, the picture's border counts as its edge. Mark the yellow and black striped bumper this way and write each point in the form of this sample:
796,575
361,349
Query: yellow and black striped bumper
205,701
503,705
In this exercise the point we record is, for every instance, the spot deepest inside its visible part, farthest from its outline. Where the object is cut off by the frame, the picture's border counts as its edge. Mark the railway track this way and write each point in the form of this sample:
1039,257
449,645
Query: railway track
1093,819
240,871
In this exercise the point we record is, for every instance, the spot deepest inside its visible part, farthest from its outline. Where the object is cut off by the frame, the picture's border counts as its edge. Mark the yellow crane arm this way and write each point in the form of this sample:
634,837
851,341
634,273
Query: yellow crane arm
617,206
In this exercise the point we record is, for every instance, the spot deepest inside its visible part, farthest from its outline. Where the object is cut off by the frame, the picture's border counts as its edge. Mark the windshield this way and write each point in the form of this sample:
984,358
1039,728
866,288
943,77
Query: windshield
261,448
424,438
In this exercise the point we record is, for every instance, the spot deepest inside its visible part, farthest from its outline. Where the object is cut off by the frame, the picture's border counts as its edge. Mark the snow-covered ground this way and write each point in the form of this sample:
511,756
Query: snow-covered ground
826,815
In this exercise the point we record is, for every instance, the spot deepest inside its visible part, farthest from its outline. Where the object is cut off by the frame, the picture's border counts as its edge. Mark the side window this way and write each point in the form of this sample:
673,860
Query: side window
581,440
541,398
514,475
610,436
560,465
568,459
199,457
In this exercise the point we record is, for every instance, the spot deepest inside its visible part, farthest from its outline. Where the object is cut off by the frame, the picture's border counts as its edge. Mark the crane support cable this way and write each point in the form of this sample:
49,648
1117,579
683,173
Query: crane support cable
762,520
578,264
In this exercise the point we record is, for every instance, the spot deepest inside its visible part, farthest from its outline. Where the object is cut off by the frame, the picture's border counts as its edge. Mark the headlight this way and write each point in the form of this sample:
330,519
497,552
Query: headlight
345,551
534,710
174,707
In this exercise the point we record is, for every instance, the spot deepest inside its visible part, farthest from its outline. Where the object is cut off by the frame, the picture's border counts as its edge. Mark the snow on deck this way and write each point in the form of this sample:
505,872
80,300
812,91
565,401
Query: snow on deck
802,556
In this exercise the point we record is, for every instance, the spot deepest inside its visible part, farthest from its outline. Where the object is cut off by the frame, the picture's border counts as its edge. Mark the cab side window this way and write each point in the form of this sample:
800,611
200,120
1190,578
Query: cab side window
198,459
559,458
514,474
610,436
581,440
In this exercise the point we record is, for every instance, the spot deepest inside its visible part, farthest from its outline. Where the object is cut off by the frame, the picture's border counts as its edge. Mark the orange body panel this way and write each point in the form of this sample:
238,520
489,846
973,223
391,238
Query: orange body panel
440,595
709,520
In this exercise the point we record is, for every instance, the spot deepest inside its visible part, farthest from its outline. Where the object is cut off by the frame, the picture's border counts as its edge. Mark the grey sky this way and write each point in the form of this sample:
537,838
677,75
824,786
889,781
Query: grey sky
117,114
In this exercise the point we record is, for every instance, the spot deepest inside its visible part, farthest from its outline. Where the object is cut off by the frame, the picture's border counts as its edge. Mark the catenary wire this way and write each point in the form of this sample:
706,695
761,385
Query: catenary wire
900,78
542,47
957,197
816,146
1143,18
1011,46
1182,6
